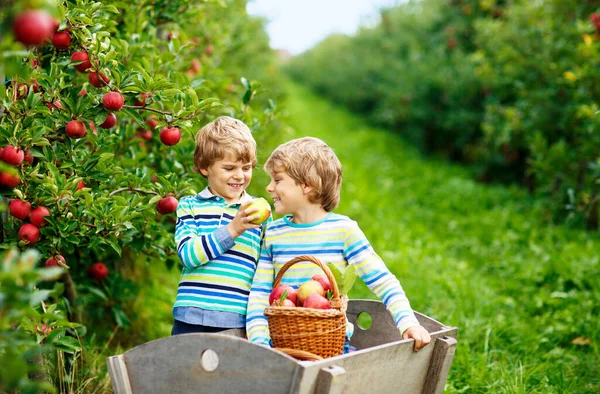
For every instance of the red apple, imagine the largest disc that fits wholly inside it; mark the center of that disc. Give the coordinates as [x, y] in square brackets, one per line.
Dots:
[22, 90]
[209, 50]
[55, 104]
[75, 129]
[35, 86]
[287, 303]
[98, 79]
[61, 40]
[29, 233]
[322, 279]
[98, 271]
[54, 261]
[81, 56]
[167, 205]
[317, 301]
[154, 178]
[9, 180]
[110, 121]
[277, 292]
[80, 185]
[33, 27]
[13, 155]
[141, 101]
[308, 288]
[82, 92]
[28, 157]
[145, 134]
[113, 101]
[19, 209]
[170, 135]
[38, 215]
[151, 122]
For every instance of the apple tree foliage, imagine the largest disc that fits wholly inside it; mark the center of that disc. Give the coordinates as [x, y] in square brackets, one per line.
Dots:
[176, 64]
[509, 87]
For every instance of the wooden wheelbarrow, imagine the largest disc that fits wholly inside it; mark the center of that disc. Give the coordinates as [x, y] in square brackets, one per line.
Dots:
[228, 363]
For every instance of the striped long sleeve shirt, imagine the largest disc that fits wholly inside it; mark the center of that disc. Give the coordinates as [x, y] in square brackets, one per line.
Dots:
[217, 270]
[334, 239]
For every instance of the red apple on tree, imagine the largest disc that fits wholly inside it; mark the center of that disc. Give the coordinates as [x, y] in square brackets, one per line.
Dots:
[54, 261]
[110, 121]
[22, 90]
[317, 301]
[13, 155]
[167, 205]
[145, 134]
[61, 40]
[28, 157]
[98, 271]
[151, 122]
[29, 233]
[33, 27]
[19, 209]
[95, 79]
[170, 135]
[322, 279]
[75, 129]
[81, 56]
[55, 104]
[141, 101]
[308, 288]
[113, 101]
[80, 185]
[37, 217]
[9, 180]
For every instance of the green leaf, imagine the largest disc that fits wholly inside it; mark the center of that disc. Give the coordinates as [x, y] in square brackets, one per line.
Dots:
[114, 245]
[67, 344]
[337, 274]
[348, 278]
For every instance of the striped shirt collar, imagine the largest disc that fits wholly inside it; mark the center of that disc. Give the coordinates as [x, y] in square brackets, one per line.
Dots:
[207, 195]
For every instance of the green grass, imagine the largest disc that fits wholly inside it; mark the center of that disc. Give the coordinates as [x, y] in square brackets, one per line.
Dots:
[522, 293]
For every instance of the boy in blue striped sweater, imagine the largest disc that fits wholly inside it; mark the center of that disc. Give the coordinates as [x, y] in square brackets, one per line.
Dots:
[306, 177]
[216, 241]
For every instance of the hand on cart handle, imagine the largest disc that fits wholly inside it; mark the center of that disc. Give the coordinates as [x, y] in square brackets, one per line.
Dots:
[419, 334]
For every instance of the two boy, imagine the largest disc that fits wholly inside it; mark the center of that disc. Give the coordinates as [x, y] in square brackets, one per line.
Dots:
[306, 177]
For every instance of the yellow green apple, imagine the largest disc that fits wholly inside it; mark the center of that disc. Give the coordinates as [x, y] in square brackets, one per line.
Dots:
[264, 210]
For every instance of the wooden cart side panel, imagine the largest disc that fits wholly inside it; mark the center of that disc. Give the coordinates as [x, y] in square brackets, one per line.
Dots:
[441, 359]
[383, 329]
[210, 363]
[117, 369]
[388, 368]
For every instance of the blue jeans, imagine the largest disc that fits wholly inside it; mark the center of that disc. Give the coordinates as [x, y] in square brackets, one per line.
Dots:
[347, 347]
[180, 327]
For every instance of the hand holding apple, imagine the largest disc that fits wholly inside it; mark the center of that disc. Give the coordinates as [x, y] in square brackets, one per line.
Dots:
[241, 222]
[259, 207]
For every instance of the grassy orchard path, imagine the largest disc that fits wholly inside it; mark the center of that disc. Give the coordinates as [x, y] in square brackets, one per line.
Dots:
[524, 295]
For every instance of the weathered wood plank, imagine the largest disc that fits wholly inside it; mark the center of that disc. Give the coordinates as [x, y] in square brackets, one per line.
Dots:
[441, 359]
[119, 375]
[330, 380]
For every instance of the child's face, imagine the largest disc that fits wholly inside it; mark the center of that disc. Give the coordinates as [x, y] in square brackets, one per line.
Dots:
[288, 196]
[228, 178]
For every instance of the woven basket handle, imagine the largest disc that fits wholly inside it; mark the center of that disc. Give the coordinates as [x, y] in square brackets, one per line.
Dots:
[336, 302]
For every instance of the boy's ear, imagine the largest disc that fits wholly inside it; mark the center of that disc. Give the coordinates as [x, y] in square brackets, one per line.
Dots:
[306, 189]
[204, 171]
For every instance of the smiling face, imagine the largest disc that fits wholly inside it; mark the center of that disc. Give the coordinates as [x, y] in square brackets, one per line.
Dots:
[288, 196]
[228, 177]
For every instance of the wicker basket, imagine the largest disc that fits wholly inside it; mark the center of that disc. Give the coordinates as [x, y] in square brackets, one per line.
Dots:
[317, 331]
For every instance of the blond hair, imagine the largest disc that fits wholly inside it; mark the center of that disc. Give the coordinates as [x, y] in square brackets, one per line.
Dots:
[310, 161]
[222, 136]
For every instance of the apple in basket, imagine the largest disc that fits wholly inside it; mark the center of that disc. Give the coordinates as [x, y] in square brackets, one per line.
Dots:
[317, 301]
[308, 288]
[322, 279]
[277, 294]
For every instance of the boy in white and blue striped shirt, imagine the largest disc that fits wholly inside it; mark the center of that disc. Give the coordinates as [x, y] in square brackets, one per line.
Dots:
[306, 177]
[216, 242]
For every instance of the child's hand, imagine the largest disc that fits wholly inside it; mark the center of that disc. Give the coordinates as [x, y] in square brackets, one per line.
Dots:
[241, 221]
[419, 334]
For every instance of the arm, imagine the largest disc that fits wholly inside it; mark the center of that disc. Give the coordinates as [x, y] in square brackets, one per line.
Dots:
[257, 326]
[373, 271]
[196, 250]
